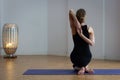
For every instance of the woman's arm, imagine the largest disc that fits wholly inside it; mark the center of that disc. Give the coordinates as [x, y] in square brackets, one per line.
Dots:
[75, 23]
[91, 39]
[73, 20]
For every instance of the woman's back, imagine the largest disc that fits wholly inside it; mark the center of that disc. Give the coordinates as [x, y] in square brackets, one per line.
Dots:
[81, 54]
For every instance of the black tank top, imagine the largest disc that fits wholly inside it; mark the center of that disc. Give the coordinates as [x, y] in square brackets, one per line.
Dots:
[80, 46]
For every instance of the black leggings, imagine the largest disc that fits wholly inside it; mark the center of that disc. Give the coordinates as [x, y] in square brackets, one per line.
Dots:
[80, 60]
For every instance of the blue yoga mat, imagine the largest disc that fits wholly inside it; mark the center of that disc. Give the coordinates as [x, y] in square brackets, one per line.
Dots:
[69, 72]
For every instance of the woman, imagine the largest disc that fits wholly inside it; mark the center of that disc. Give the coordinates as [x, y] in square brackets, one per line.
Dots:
[83, 36]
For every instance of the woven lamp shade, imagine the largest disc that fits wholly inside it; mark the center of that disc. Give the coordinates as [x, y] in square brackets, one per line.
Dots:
[10, 39]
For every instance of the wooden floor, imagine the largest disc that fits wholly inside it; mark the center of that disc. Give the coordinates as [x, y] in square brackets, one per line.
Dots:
[12, 69]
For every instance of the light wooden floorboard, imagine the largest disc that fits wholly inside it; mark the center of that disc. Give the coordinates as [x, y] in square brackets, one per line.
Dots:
[12, 69]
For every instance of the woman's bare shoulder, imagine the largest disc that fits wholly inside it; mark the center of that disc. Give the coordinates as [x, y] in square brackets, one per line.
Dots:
[90, 29]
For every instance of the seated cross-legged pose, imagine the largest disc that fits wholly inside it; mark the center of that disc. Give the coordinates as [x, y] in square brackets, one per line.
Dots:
[83, 36]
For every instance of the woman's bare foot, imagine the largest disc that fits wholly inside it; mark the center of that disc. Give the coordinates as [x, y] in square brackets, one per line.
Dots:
[81, 71]
[90, 71]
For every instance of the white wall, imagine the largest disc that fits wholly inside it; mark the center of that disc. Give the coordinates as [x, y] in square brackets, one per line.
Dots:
[31, 17]
[44, 25]
[57, 27]
[112, 29]
[1, 8]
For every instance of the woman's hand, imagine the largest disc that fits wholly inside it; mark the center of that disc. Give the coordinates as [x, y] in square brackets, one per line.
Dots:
[71, 11]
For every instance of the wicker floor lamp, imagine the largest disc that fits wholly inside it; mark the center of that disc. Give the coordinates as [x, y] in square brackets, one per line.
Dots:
[10, 39]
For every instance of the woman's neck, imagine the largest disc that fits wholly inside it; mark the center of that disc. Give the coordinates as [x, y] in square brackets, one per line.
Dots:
[82, 24]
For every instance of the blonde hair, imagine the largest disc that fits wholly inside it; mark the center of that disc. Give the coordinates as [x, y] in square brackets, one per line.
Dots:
[80, 14]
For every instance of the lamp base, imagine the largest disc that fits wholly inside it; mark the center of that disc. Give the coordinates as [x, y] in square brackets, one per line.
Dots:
[10, 56]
